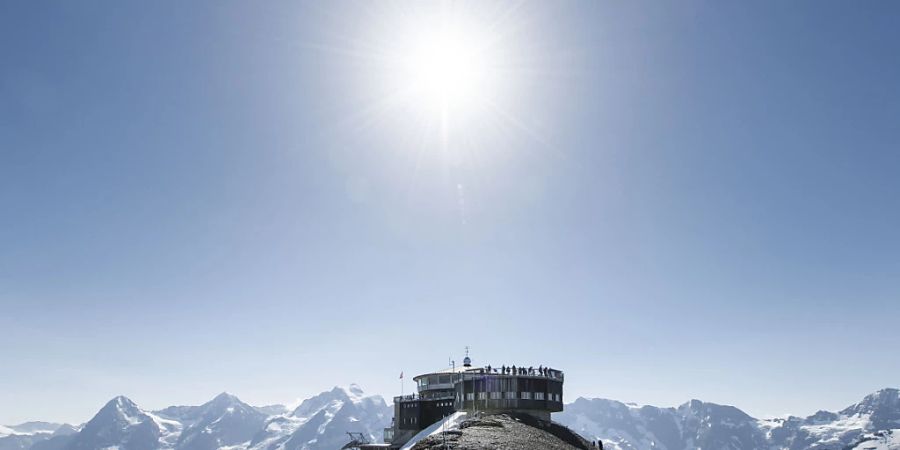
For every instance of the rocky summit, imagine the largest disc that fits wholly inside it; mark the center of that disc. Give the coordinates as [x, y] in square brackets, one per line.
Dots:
[505, 432]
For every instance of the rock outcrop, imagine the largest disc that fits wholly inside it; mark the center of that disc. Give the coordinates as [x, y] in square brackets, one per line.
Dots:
[505, 432]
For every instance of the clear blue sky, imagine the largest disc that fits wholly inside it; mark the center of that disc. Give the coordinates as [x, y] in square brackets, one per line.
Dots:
[688, 200]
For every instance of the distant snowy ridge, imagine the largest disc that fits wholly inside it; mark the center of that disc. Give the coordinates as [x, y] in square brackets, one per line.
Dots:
[27, 435]
[873, 423]
[31, 428]
[225, 422]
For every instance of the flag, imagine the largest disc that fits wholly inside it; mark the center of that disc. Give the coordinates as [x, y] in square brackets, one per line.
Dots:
[401, 374]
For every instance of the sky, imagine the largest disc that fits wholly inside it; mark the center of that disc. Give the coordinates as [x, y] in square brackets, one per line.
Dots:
[667, 201]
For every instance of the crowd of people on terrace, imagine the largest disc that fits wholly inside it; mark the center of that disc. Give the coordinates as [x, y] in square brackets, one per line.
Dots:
[513, 370]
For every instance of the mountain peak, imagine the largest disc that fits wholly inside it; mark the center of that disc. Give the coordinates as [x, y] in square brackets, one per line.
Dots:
[226, 397]
[122, 399]
[223, 421]
[886, 400]
[888, 392]
[225, 403]
[120, 403]
[353, 392]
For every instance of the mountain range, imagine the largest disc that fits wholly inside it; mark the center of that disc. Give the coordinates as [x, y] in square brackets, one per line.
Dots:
[872, 424]
[321, 423]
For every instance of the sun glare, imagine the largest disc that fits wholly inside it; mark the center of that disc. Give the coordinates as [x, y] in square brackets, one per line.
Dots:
[447, 77]
[447, 70]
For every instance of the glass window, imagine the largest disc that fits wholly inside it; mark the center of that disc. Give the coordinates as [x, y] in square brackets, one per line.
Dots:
[538, 395]
[482, 396]
[526, 396]
[470, 396]
[495, 395]
[511, 395]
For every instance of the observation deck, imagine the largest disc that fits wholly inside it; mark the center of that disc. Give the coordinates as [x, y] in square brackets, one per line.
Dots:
[533, 390]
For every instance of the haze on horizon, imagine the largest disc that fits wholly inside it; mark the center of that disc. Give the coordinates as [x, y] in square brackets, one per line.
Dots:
[666, 201]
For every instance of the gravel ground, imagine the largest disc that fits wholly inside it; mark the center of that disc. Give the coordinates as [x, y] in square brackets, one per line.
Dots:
[505, 432]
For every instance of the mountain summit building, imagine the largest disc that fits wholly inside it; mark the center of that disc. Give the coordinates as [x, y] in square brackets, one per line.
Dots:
[537, 391]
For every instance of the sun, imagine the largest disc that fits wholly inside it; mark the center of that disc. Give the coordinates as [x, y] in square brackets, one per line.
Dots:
[448, 69]
[442, 63]
[445, 78]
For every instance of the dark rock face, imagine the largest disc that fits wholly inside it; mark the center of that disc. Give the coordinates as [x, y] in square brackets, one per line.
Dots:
[506, 432]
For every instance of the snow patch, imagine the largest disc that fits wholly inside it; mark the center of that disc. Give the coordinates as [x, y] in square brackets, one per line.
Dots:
[450, 422]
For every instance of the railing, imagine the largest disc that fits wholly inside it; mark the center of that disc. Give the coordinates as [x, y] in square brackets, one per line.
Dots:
[536, 372]
[417, 397]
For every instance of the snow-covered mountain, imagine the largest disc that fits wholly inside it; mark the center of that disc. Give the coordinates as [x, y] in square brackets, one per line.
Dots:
[320, 423]
[30, 428]
[223, 421]
[121, 424]
[873, 423]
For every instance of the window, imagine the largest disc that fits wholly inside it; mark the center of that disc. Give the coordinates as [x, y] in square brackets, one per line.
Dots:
[470, 396]
[526, 396]
[482, 396]
[510, 395]
[538, 395]
[495, 395]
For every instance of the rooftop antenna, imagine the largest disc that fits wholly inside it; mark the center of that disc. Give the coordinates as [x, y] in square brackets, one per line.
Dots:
[467, 363]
